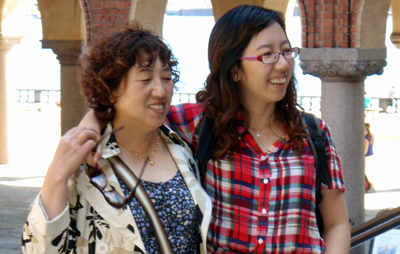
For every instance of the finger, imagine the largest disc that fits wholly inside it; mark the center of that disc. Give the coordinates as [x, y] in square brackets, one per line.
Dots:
[93, 158]
[89, 160]
[72, 132]
[86, 135]
[87, 150]
[99, 152]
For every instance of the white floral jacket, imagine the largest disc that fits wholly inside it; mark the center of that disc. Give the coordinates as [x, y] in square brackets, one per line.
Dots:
[89, 225]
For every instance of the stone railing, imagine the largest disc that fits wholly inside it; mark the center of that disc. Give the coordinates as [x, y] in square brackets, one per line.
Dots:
[308, 102]
[181, 97]
[37, 96]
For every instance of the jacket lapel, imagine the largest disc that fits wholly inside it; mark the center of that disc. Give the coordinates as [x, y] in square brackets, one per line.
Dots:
[121, 219]
[188, 168]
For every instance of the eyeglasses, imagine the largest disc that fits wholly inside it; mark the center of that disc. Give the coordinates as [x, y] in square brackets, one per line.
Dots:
[272, 57]
[113, 198]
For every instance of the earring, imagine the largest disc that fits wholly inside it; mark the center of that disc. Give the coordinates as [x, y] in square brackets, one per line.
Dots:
[235, 78]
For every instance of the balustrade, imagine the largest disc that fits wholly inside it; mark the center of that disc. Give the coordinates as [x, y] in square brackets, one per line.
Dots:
[310, 103]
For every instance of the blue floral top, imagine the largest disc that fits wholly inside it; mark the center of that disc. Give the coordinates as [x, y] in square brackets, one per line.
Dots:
[176, 209]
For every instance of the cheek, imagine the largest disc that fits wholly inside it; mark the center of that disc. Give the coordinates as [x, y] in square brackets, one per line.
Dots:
[291, 67]
[169, 89]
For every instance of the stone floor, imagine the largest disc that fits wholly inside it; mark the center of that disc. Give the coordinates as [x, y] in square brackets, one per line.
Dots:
[32, 146]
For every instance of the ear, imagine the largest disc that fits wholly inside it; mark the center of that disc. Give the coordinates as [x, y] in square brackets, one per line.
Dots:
[234, 73]
[120, 89]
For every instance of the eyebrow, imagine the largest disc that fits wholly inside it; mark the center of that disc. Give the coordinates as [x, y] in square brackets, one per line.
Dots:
[270, 46]
[151, 69]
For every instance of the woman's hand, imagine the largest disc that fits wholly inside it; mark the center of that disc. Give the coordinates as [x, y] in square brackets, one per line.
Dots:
[71, 152]
[72, 149]
[90, 121]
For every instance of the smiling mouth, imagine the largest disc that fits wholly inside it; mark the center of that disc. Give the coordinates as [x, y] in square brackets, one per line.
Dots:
[157, 107]
[277, 81]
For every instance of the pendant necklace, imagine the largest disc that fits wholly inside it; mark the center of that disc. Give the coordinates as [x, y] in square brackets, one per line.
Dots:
[259, 131]
[139, 155]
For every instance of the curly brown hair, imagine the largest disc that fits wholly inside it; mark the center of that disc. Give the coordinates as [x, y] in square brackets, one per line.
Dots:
[108, 63]
[222, 96]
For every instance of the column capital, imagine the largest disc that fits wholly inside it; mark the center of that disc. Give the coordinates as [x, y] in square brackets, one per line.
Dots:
[395, 38]
[67, 51]
[342, 63]
[8, 42]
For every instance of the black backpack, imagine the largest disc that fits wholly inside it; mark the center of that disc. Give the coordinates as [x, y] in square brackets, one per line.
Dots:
[207, 139]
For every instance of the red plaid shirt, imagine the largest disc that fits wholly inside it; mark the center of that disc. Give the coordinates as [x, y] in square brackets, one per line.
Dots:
[262, 203]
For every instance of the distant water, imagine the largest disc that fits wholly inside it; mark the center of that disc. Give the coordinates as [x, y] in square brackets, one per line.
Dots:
[29, 66]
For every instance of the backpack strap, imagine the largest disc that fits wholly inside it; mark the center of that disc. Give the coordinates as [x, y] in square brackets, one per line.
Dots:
[317, 145]
[205, 145]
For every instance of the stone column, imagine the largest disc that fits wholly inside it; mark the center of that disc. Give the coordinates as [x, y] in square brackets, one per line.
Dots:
[6, 44]
[73, 107]
[395, 38]
[343, 71]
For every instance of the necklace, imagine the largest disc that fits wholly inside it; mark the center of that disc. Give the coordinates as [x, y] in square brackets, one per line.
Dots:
[259, 131]
[139, 155]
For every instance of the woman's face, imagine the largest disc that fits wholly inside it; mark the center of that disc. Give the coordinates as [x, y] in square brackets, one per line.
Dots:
[265, 83]
[144, 96]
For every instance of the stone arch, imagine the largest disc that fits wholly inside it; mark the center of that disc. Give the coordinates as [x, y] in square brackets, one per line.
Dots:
[62, 20]
[277, 5]
[220, 7]
[7, 7]
[371, 16]
[150, 13]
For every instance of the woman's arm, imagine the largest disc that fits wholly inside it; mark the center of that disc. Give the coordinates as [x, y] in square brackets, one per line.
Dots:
[72, 149]
[336, 222]
[366, 143]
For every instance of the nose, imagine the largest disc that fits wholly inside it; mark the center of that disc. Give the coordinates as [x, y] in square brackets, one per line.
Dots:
[282, 63]
[158, 89]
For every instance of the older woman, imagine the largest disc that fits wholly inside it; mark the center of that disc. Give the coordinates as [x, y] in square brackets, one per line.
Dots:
[128, 80]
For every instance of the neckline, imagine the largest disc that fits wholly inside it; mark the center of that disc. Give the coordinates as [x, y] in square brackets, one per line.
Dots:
[178, 173]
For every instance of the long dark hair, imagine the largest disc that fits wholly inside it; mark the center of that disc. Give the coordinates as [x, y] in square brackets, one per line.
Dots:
[109, 62]
[369, 134]
[222, 96]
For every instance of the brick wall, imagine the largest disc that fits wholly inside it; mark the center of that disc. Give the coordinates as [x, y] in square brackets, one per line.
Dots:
[328, 23]
[104, 17]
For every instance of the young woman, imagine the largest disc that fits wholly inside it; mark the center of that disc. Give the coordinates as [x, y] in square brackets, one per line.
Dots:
[368, 151]
[261, 179]
[128, 81]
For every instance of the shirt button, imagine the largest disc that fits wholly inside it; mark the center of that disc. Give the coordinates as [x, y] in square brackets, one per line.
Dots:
[33, 219]
[265, 181]
[260, 241]
[263, 211]
[103, 248]
[263, 158]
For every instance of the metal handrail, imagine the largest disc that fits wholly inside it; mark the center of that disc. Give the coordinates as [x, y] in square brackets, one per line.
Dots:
[374, 227]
